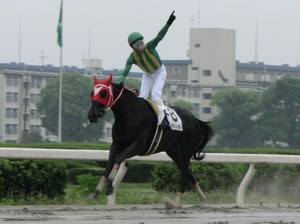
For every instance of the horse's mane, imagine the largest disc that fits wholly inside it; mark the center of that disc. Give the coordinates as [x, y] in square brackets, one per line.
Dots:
[132, 92]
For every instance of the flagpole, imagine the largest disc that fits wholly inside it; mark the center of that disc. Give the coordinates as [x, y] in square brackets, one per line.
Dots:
[60, 44]
[60, 96]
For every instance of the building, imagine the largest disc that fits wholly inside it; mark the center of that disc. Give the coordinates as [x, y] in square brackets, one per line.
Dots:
[259, 76]
[20, 91]
[211, 66]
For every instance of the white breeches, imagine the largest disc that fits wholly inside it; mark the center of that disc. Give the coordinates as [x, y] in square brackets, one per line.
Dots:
[154, 83]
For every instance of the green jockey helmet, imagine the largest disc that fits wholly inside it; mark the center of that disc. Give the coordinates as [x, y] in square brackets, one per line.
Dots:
[134, 37]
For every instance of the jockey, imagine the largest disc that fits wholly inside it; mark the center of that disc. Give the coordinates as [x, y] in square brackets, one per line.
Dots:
[148, 60]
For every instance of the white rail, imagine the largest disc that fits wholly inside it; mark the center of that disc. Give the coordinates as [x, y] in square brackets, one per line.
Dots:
[102, 155]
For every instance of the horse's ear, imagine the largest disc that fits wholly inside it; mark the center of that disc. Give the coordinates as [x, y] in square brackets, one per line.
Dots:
[95, 80]
[109, 79]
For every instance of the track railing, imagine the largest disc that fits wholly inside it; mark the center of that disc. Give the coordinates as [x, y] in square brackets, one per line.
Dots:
[102, 155]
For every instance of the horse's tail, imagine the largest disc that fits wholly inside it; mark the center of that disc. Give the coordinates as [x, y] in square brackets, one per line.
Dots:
[206, 135]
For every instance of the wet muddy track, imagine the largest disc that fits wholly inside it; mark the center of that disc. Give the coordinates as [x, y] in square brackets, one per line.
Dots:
[154, 214]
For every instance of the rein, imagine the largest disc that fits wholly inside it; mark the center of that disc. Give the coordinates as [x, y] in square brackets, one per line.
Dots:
[114, 101]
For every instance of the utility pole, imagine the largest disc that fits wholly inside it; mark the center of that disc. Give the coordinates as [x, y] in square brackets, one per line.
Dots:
[19, 53]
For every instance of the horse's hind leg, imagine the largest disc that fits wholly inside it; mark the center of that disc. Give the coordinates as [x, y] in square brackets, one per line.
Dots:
[185, 175]
[196, 186]
[182, 162]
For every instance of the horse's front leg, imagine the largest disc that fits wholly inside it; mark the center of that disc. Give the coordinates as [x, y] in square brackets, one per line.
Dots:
[115, 178]
[115, 185]
[129, 152]
[99, 188]
[104, 178]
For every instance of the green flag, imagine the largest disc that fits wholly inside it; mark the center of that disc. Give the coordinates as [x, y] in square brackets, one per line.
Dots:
[59, 25]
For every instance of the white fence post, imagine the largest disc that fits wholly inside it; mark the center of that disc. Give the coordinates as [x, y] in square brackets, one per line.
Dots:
[244, 185]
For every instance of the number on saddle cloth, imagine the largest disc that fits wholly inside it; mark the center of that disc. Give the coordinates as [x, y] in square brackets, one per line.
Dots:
[164, 112]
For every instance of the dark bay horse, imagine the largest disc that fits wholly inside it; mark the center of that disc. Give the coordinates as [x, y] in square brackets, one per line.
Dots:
[134, 129]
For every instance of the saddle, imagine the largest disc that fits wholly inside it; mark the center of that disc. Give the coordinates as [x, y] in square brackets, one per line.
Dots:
[159, 110]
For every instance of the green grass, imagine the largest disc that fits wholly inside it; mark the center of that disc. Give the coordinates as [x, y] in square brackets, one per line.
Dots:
[130, 193]
[142, 193]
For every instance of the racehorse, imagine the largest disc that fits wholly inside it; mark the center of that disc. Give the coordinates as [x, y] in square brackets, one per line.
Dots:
[134, 130]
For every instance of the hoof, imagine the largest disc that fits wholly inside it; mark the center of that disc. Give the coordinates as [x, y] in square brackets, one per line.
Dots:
[109, 188]
[94, 196]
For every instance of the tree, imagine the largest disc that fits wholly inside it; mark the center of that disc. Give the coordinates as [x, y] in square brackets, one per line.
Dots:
[186, 105]
[281, 117]
[76, 101]
[237, 123]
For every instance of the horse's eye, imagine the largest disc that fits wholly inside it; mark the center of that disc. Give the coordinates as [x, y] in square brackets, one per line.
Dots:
[103, 94]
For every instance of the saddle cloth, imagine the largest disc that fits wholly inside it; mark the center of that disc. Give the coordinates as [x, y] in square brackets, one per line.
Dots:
[164, 112]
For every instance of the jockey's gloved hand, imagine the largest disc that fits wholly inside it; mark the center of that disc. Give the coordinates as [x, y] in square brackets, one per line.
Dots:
[171, 18]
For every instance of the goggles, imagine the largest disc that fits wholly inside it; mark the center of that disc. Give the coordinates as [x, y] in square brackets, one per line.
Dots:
[139, 45]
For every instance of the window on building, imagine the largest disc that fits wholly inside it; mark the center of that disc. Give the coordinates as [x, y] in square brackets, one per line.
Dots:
[240, 76]
[257, 77]
[197, 45]
[173, 93]
[195, 68]
[182, 91]
[12, 97]
[207, 72]
[11, 129]
[8, 112]
[206, 110]
[196, 93]
[36, 83]
[12, 81]
[35, 129]
[11, 113]
[196, 106]
[176, 70]
[34, 114]
[35, 98]
[207, 96]
[9, 97]
[15, 97]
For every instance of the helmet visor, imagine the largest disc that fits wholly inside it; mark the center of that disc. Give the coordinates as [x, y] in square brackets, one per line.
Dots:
[139, 45]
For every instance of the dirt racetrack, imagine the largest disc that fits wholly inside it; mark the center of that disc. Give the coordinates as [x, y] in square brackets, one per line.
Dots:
[150, 214]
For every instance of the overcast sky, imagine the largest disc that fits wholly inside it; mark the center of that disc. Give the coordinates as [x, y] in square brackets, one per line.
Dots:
[111, 21]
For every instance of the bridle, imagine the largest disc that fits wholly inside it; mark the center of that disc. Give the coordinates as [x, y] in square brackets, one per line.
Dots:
[103, 93]
[112, 97]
